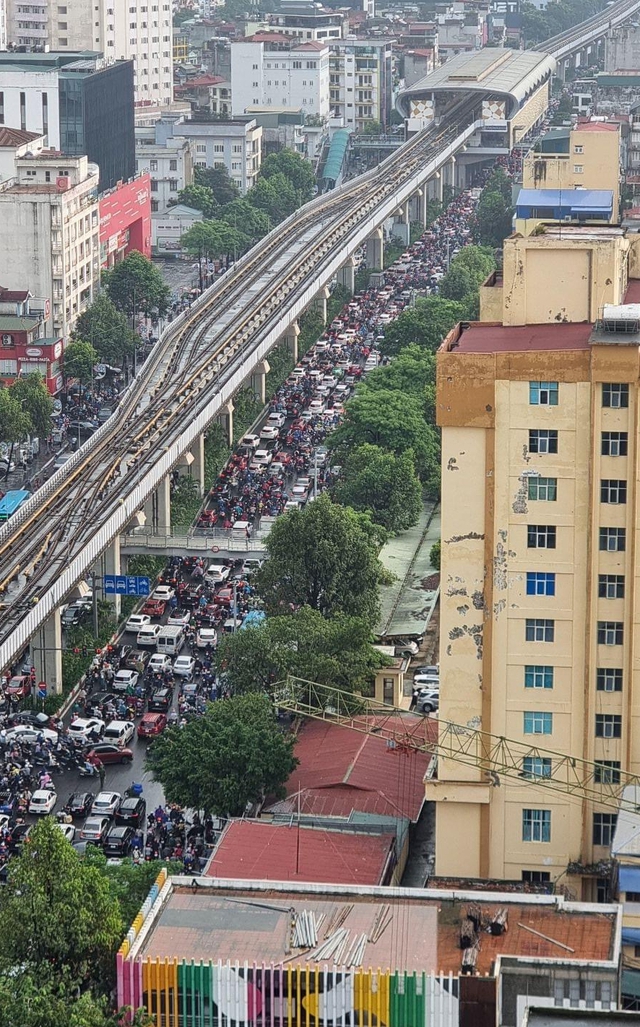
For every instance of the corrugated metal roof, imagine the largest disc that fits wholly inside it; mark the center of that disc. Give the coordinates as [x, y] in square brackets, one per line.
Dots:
[574, 199]
[256, 850]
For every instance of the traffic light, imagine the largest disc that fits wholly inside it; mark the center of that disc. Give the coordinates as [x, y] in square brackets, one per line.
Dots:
[85, 651]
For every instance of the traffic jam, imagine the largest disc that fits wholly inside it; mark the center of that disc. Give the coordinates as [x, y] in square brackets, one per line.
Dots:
[161, 670]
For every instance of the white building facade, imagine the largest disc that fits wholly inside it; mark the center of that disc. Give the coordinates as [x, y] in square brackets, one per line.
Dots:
[237, 145]
[170, 166]
[51, 207]
[265, 75]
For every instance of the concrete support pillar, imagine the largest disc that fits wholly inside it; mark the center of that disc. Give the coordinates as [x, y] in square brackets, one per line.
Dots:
[111, 564]
[150, 513]
[375, 251]
[47, 654]
[401, 227]
[439, 184]
[347, 275]
[418, 206]
[225, 418]
[319, 305]
[451, 172]
[197, 467]
[259, 381]
[163, 500]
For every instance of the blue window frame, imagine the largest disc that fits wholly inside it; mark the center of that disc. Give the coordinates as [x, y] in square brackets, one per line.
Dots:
[543, 394]
[536, 766]
[538, 723]
[541, 583]
[538, 676]
[536, 825]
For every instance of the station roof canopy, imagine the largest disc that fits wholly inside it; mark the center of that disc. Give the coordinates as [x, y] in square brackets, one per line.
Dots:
[514, 74]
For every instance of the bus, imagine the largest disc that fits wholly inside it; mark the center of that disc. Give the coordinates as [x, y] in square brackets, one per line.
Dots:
[12, 501]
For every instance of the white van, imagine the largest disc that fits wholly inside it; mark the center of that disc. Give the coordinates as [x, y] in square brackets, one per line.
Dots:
[171, 639]
[148, 636]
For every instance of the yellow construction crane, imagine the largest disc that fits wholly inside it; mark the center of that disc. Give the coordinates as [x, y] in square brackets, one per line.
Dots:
[495, 756]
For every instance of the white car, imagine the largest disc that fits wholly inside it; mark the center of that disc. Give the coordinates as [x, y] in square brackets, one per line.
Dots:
[269, 432]
[205, 637]
[42, 801]
[276, 419]
[250, 441]
[263, 457]
[183, 666]
[68, 831]
[216, 573]
[120, 732]
[27, 735]
[106, 804]
[179, 617]
[158, 663]
[163, 592]
[82, 727]
[125, 679]
[300, 492]
[137, 621]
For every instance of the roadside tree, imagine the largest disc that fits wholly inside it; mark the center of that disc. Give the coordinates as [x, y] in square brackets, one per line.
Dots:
[15, 423]
[79, 361]
[425, 325]
[382, 484]
[35, 399]
[233, 755]
[135, 286]
[295, 168]
[326, 557]
[107, 329]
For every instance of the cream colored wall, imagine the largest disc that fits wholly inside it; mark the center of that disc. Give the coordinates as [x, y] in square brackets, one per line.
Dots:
[547, 279]
[529, 113]
[491, 300]
[599, 160]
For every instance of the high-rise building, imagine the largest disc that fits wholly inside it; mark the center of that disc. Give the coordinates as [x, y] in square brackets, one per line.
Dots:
[361, 82]
[50, 232]
[78, 102]
[539, 621]
[122, 30]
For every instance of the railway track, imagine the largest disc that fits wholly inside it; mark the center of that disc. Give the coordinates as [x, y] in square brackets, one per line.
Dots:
[189, 364]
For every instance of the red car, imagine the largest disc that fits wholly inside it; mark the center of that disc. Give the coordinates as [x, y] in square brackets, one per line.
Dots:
[224, 596]
[109, 753]
[154, 607]
[19, 687]
[151, 725]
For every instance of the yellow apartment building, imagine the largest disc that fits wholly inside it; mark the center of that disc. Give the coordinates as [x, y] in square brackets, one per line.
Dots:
[593, 162]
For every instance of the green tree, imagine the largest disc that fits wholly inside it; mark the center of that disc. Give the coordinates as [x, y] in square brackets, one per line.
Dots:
[233, 755]
[244, 217]
[382, 484]
[492, 222]
[335, 651]
[426, 325]
[57, 910]
[499, 182]
[15, 423]
[200, 197]
[477, 259]
[457, 283]
[79, 361]
[295, 168]
[393, 422]
[276, 196]
[219, 182]
[35, 399]
[136, 287]
[373, 128]
[107, 329]
[212, 239]
[44, 996]
[129, 882]
[324, 556]
[434, 555]
[413, 370]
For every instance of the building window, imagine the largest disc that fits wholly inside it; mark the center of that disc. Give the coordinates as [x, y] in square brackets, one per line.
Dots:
[536, 876]
[604, 824]
[543, 441]
[536, 825]
[537, 723]
[154, 205]
[218, 148]
[538, 676]
[578, 149]
[541, 536]
[173, 185]
[613, 490]
[543, 394]
[23, 111]
[614, 443]
[613, 540]
[541, 583]
[577, 169]
[609, 679]
[153, 165]
[536, 766]
[615, 395]
[608, 725]
[154, 186]
[544, 489]
[539, 630]
[1, 108]
[611, 586]
[173, 165]
[610, 632]
[201, 147]
[607, 772]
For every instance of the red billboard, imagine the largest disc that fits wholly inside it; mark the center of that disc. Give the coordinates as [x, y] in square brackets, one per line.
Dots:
[125, 220]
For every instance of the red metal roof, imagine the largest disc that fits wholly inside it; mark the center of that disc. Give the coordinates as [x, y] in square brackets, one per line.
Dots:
[342, 770]
[495, 338]
[256, 850]
[14, 295]
[632, 294]
[16, 136]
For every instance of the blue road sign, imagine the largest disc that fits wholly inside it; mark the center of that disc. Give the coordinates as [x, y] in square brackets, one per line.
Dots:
[42, 691]
[125, 585]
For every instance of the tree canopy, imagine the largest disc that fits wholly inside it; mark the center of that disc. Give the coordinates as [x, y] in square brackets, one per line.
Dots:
[324, 556]
[492, 221]
[219, 181]
[382, 484]
[15, 423]
[246, 218]
[426, 325]
[335, 651]
[233, 755]
[106, 329]
[79, 360]
[276, 196]
[200, 197]
[34, 398]
[213, 239]
[295, 168]
[136, 286]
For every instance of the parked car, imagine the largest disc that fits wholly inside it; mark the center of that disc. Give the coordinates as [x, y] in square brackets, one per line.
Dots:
[42, 801]
[132, 812]
[152, 725]
[428, 701]
[108, 752]
[73, 615]
[106, 804]
[118, 841]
